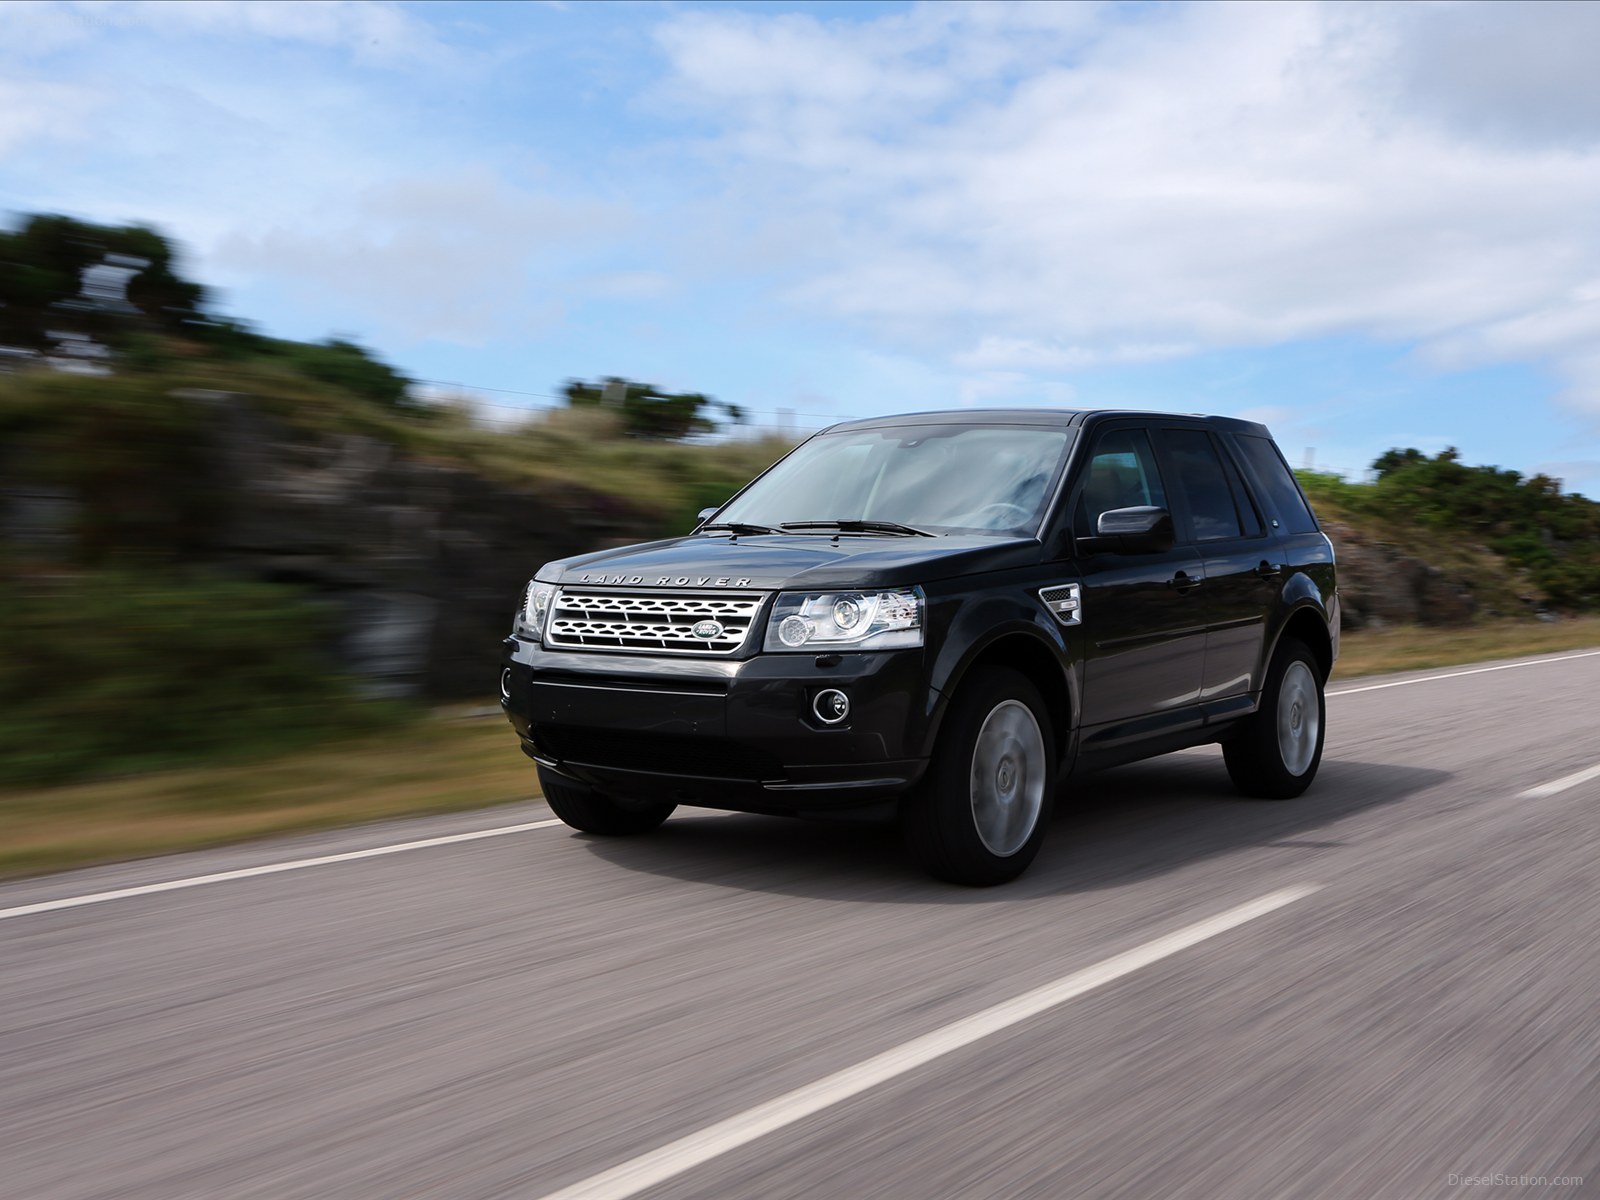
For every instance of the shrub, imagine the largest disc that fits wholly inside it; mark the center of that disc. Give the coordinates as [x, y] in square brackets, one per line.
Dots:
[120, 670]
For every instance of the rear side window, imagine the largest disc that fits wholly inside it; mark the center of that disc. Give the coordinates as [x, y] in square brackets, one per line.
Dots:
[1282, 492]
[1204, 480]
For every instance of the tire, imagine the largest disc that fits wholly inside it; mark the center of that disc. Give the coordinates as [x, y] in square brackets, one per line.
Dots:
[981, 813]
[585, 809]
[1276, 755]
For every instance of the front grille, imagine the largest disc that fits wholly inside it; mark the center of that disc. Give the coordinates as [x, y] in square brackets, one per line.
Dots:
[660, 622]
[660, 753]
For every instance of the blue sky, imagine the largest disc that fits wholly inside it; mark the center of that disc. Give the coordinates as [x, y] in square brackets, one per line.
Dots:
[1369, 225]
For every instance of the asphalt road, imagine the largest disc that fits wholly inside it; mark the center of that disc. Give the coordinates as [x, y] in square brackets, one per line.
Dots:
[1412, 1010]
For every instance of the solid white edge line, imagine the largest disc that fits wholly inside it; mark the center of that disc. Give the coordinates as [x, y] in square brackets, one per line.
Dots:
[1534, 662]
[674, 1158]
[173, 885]
[1556, 786]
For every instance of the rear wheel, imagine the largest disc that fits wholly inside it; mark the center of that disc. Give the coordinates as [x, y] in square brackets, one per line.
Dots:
[593, 812]
[981, 812]
[1276, 755]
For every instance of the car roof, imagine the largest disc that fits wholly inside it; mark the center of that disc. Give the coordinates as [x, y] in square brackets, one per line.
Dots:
[1045, 417]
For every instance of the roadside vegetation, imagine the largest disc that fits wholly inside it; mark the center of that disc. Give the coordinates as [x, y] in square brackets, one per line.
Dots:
[1540, 540]
[433, 764]
[128, 648]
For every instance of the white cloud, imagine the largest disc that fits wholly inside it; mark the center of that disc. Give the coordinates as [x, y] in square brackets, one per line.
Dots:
[627, 285]
[994, 351]
[1000, 388]
[1519, 72]
[465, 259]
[371, 31]
[35, 110]
[1270, 415]
[1018, 195]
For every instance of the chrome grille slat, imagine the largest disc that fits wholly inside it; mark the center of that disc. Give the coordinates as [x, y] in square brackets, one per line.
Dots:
[618, 619]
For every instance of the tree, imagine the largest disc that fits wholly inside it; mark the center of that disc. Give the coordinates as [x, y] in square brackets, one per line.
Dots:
[63, 278]
[647, 411]
[72, 286]
[346, 365]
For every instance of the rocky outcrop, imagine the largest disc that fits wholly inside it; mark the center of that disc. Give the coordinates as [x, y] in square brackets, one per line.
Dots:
[1379, 585]
[422, 563]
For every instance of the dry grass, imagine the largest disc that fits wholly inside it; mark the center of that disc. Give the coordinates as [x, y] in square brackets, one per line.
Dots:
[439, 765]
[1409, 648]
[452, 763]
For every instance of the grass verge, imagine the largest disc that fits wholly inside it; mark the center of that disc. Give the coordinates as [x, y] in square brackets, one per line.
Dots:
[1413, 648]
[442, 764]
[450, 763]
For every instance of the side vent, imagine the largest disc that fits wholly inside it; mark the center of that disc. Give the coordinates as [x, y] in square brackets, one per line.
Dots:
[1065, 602]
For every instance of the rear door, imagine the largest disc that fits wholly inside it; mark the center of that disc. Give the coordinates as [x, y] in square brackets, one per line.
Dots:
[1223, 524]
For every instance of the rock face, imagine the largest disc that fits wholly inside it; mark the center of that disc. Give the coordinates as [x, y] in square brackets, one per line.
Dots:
[423, 563]
[1381, 585]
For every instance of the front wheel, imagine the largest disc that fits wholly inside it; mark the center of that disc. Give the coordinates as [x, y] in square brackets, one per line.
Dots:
[980, 814]
[1276, 755]
[592, 812]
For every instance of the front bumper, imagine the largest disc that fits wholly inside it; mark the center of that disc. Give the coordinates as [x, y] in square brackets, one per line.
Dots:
[739, 734]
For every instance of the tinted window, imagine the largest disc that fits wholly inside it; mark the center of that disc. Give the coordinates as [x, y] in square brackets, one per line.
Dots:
[1205, 483]
[1249, 515]
[1282, 492]
[1121, 473]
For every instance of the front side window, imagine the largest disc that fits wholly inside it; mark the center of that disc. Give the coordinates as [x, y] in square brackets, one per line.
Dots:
[937, 478]
[1121, 473]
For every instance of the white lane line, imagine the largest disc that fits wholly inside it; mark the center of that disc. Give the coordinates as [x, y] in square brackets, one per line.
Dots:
[652, 1168]
[1556, 786]
[1537, 662]
[173, 885]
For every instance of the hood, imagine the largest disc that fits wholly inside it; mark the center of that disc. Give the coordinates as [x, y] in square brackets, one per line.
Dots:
[808, 560]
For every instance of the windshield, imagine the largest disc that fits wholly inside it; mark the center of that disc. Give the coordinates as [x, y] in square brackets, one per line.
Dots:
[938, 478]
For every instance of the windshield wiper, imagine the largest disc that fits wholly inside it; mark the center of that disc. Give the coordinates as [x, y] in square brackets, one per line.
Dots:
[739, 527]
[852, 525]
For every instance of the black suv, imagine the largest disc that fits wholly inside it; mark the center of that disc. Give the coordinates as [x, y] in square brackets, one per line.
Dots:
[935, 617]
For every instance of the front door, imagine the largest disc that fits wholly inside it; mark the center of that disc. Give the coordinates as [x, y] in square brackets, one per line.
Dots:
[1142, 614]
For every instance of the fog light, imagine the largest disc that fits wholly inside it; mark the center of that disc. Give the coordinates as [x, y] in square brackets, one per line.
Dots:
[505, 683]
[831, 706]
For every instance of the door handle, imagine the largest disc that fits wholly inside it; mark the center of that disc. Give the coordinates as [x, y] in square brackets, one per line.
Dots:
[1269, 570]
[1185, 582]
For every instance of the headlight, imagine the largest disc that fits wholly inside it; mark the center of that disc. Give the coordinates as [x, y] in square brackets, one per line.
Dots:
[535, 607]
[846, 621]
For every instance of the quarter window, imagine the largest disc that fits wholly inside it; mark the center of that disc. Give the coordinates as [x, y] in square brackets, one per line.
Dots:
[1282, 492]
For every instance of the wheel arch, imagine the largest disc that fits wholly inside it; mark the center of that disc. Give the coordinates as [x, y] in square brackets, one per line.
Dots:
[1308, 625]
[1037, 659]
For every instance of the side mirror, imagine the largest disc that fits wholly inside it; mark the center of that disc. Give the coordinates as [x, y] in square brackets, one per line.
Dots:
[705, 514]
[1141, 530]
